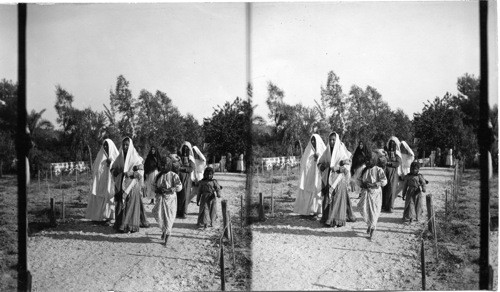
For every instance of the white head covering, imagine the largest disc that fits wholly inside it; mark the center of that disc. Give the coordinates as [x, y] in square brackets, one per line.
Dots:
[334, 157]
[190, 157]
[200, 162]
[407, 157]
[397, 152]
[100, 168]
[127, 163]
[308, 165]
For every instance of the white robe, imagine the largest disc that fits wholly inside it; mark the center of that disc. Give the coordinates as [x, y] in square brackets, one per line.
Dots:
[100, 201]
[309, 192]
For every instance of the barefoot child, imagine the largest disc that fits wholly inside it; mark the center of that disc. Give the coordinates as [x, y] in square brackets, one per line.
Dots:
[207, 190]
[371, 181]
[413, 186]
[167, 184]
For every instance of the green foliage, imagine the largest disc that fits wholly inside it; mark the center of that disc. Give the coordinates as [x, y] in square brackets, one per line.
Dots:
[229, 128]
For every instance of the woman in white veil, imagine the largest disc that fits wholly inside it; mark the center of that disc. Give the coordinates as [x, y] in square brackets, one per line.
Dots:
[309, 193]
[100, 205]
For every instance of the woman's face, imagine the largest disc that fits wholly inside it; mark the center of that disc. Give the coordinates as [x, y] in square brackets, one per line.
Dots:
[392, 145]
[332, 139]
[313, 142]
[185, 150]
[126, 144]
[106, 147]
[153, 150]
[360, 145]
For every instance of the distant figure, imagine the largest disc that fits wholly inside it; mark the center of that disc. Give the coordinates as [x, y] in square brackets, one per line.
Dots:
[229, 162]
[392, 173]
[334, 164]
[129, 173]
[223, 164]
[371, 181]
[208, 191]
[449, 158]
[186, 175]
[309, 192]
[413, 187]
[438, 157]
[100, 205]
[151, 167]
[240, 166]
[432, 158]
[167, 184]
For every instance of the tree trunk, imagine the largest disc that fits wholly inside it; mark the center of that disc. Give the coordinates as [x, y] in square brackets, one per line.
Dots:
[90, 157]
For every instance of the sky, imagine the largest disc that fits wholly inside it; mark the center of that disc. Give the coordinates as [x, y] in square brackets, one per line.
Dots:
[410, 52]
[193, 52]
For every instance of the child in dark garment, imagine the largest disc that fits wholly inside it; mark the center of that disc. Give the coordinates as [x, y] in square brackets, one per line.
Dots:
[413, 187]
[208, 189]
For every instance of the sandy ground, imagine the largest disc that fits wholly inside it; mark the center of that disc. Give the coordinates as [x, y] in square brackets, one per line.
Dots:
[81, 256]
[291, 253]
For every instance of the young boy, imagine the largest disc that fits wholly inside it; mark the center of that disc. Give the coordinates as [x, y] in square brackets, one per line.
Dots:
[413, 187]
[207, 190]
[167, 183]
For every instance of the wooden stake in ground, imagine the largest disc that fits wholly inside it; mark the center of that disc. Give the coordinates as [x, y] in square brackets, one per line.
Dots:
[261, 207]
[227, 232]
[422, 262]
[232, 237]
[52, 214]
[272, 193]
[241, 211]
[430, 213]
[446, 202]
[222, 269]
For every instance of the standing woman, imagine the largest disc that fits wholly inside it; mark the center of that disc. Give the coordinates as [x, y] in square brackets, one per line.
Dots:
[392, 172]
[101, 206]
[186, 175]
[371, 180]
[358, 161]
[309, 194]
[151, 166]
[200, 164]
[240, 165]
[129, 172]
[407, 157]
[449, 158]
[334, 164]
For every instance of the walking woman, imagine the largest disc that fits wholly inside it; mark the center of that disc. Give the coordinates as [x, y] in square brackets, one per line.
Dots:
[393, 173]
[186, 175]
[358, 161]
[101, 206]
[309, 194]
[407, 157]
[167, 184]
[371, 180]
[151, 166]
[129, 172]
[334, 164]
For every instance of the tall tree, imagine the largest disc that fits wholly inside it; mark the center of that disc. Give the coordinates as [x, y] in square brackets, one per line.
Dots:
[333, 96]
[64, 107]
[123, 104]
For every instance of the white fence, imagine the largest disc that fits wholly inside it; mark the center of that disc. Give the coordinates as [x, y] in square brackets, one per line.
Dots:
[268, 163]
[68, 167]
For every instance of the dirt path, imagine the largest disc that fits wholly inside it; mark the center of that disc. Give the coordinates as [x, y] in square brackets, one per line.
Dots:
[80, 256]
[291, 253]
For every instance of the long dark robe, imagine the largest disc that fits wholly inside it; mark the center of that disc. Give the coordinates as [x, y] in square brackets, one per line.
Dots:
[182, 196]
[413, 203]
[131, 214]
[339, 210]
[389, 192]
[358, 158]
[152, 163]
[208, 202]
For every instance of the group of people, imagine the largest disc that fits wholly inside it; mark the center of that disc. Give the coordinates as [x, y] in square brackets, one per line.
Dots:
[328, 172]
[122, 178]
